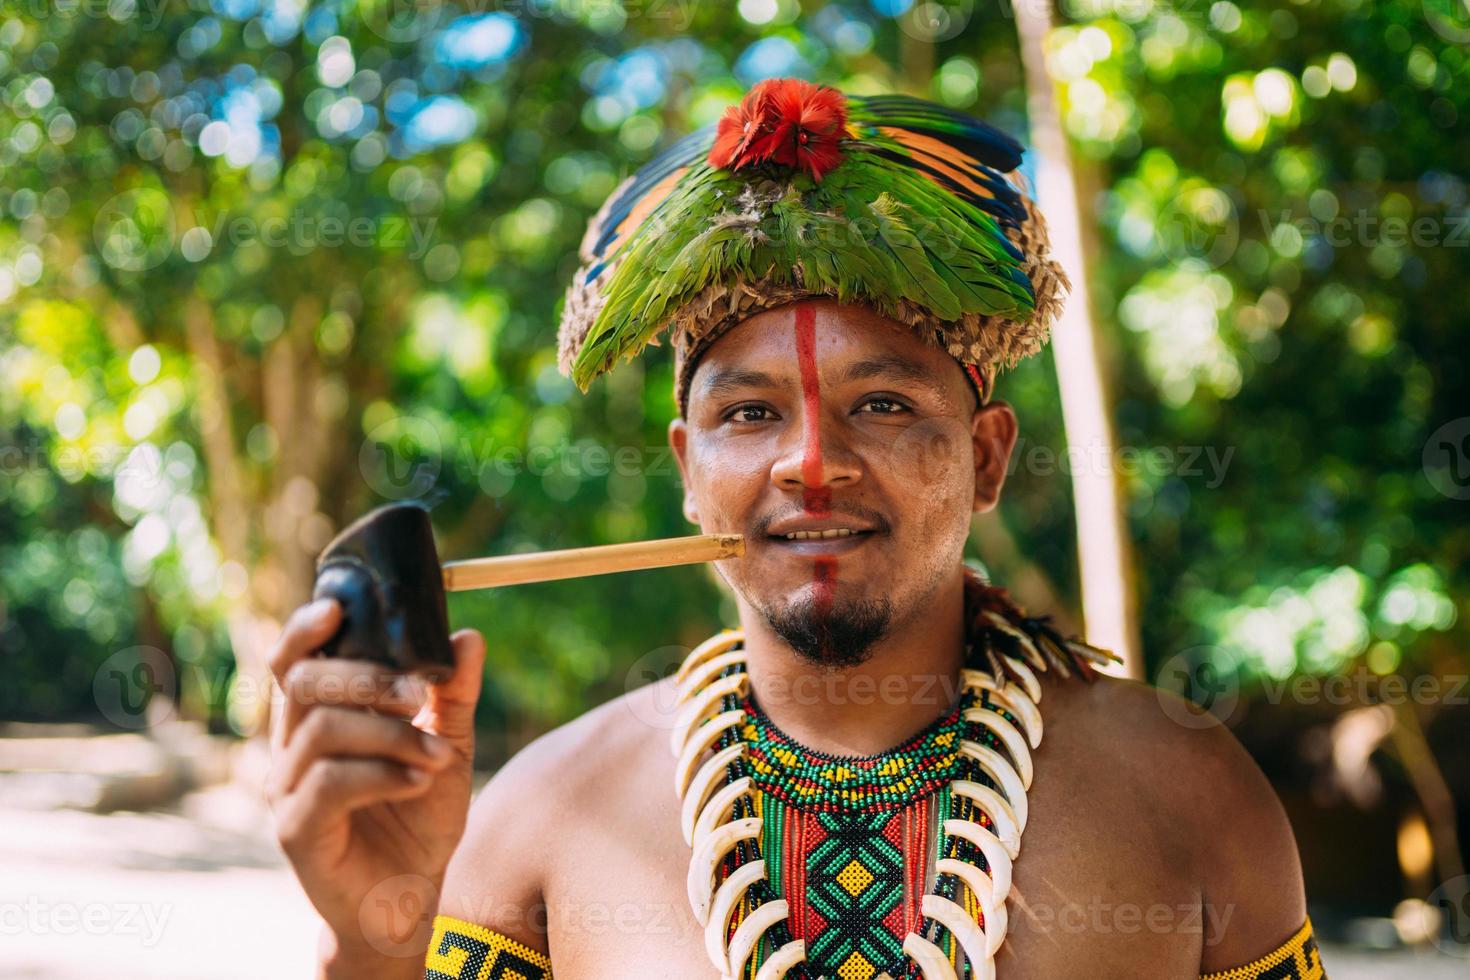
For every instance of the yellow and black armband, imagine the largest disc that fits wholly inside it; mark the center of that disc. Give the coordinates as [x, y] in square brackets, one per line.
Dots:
[464, 951]
[1295, 959]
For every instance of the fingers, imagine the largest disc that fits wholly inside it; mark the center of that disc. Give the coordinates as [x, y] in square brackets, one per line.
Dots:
[450, 706]
[308, 628]
[331, 788]
[332, 732]
[359, 684]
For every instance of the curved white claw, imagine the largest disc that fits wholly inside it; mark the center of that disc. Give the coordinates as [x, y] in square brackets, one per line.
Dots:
[1029, 683]
[932, 962]
[980, 679]
[1013, 740]
[1012, 698]
[750, 931]
[999, 811]
[706, 859]
[713, 647]
[995, 765]
[730, 893]
[704, 783]
[992, 848]
[719, 808]
[705, 673]
[1030, 715]
[701, 739]
[979, 884]
[706, 702]
[782, 960]
[1028, 649]
[966, 930]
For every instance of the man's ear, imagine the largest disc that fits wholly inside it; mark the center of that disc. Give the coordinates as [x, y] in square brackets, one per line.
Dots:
[993, 434]
[679, 443]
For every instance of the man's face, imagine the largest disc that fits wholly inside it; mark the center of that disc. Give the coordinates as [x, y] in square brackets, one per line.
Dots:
[851, 455]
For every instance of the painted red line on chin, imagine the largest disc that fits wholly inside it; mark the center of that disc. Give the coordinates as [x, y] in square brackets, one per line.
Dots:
[824, 579]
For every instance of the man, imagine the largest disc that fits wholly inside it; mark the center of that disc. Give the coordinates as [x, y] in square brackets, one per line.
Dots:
[855, 769]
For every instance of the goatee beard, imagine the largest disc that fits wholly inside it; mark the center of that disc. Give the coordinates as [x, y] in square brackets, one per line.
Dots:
[828, 634]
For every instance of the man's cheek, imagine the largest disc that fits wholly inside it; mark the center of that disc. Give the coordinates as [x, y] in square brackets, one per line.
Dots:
[930, 455]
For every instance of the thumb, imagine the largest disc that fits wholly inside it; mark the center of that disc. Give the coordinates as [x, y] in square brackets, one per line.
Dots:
[450, 706]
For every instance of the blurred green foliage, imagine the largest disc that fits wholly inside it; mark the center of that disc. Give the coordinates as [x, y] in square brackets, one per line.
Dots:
[264, 265]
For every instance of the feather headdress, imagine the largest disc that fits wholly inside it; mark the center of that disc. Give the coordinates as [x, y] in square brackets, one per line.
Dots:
[800, 191]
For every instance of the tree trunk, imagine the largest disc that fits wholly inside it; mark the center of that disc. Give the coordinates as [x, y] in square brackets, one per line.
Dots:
[1108, 601]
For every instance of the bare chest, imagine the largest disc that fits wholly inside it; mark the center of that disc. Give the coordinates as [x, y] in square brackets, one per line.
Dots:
[1098, 891]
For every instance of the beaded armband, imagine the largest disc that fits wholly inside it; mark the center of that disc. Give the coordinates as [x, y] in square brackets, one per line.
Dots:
[464, 951]
[1295, 959]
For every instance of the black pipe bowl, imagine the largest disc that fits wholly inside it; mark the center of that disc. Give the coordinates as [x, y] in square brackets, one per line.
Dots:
[384, 570]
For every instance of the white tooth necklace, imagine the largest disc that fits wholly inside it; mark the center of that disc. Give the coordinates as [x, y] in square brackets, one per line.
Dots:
[746, 817]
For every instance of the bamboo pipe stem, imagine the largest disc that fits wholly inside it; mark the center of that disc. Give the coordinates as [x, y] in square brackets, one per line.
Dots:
[545, 566]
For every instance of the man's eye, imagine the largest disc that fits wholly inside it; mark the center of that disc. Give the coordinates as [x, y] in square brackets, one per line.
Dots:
[750, 413]
[886, 406]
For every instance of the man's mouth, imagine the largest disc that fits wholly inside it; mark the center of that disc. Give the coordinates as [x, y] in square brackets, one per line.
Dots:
[831, 532]
[821, 541]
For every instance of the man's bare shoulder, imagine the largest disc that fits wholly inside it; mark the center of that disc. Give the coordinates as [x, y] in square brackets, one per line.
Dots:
[1193, 779]
[1183, 753]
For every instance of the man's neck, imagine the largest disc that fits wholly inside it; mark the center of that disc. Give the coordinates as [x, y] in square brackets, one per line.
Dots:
[910, 678]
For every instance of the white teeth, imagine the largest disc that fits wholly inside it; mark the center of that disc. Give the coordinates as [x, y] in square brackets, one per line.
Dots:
[834, 532]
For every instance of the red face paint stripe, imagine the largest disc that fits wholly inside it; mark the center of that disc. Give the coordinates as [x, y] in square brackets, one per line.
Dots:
[816, 498]
[823, 576]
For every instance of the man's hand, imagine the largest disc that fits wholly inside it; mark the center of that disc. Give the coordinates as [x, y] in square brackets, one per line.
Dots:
[370, 784]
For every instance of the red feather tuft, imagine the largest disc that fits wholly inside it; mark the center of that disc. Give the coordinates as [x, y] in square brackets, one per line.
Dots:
[785, 121]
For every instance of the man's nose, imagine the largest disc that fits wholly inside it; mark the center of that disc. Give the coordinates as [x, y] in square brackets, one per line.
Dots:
[814, 454]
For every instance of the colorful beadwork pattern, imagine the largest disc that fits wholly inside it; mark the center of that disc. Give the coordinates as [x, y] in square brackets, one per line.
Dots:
[816, 782]
[848, 841]
[1296, 959]
[462, 950]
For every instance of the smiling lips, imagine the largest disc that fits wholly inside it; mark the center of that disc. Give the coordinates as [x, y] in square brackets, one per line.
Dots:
[821, 543]
[831, 532]
[828, 528]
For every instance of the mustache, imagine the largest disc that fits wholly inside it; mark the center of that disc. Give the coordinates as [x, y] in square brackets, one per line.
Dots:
[857, 512]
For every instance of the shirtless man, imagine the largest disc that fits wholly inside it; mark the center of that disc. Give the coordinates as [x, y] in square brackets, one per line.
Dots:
[1154, 849]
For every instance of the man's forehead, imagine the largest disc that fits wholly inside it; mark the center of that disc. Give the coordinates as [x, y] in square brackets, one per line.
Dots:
[839, 370]
[849, 343]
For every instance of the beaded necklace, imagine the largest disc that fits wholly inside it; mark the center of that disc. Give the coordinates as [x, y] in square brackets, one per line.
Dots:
[753, 799]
